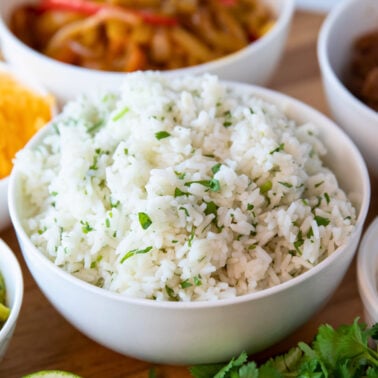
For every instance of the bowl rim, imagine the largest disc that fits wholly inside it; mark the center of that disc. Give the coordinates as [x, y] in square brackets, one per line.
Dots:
[284, 18]
[270, 95]
[323, 58]
[14, 266]
[367, 267]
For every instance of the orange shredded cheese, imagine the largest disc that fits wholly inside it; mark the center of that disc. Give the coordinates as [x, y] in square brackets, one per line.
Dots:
[22, 113]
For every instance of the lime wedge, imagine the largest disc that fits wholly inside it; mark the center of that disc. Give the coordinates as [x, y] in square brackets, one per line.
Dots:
[51, 374]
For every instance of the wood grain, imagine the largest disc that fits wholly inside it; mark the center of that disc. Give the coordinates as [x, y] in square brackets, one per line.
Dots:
[44, 340]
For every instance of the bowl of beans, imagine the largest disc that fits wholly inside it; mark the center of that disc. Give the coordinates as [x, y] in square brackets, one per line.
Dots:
[348, 59]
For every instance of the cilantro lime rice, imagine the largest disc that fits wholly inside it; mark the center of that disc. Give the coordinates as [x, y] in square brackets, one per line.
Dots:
[184, 189]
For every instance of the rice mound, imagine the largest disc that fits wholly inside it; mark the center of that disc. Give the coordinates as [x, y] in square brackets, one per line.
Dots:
[183, 189]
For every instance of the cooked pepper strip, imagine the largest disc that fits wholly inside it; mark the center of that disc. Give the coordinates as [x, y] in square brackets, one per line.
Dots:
[90, 8]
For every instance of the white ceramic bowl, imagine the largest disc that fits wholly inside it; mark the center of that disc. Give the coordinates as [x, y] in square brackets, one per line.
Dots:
[203, 332]
[367, 273]
[347, 21]
[31, 83]
[253, 64]
[14, 284]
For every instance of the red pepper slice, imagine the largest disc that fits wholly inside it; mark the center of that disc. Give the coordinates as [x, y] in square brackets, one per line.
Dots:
[89, 8]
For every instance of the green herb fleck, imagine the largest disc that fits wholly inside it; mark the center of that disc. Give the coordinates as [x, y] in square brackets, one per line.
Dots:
[134, 252]
[278, 149]
[211, 208]
[213, 184]
[86, 227]
[185, 284]
[327, 198]
[321, 221]
[171, 293]
[162, 134]
[215, 168]
[144, 220]
[120, 114]
[180, 175]
[287, 184]
[185, 210]
[266, 186]
[180, 193]
[197, 280]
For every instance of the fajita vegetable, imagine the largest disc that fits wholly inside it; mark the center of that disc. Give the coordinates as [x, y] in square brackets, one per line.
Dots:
[343, 352]
[125, 36]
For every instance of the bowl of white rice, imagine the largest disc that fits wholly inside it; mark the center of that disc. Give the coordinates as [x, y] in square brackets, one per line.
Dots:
[185, 220]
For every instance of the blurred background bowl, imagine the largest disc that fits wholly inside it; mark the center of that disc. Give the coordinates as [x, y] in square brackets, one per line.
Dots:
[14, 285]
[30, 83]
[203, 332]
[367, 273]
[347, 21]
[252, 64]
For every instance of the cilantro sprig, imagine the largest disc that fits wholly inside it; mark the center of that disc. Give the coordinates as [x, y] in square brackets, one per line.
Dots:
[342, 352]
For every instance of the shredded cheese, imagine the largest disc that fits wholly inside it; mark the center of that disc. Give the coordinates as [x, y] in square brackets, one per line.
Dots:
[22, 113]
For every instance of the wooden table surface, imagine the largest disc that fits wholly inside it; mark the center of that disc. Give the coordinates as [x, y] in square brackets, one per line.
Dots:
[44, 340]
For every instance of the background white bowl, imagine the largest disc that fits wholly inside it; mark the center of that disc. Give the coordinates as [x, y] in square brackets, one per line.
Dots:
[31, 83]
[14, 284]
[347, 21]
[203, 332]
[367, 272]
[253, 64]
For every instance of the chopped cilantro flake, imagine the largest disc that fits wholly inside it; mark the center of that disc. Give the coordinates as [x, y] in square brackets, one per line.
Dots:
[321, 221]
[162, 134]
[144, 220]
[134, 252]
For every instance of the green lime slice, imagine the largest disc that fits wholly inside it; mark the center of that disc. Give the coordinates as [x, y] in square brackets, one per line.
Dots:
[51, 374]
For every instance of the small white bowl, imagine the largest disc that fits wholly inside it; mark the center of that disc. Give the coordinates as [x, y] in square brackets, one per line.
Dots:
[345, 23]
[253, 64]
[367, 272]
[28, 82]
[213, 331]
[14, 285]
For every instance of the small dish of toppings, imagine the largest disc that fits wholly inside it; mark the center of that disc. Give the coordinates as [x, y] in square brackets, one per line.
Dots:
[11, 295]
[24, 109]
[4, 309]
[367, 272]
